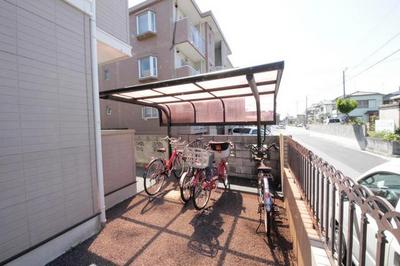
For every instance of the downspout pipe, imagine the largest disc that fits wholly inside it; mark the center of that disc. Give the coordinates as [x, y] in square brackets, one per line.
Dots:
[97, 123]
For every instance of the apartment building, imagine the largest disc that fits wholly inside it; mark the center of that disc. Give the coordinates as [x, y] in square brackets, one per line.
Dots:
[51, 188]
[171, 39]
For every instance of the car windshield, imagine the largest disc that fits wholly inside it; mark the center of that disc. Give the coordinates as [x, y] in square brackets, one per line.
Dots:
[386, 185]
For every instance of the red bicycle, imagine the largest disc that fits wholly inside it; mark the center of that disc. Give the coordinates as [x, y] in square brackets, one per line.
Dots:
[209, 166]
[160, 168]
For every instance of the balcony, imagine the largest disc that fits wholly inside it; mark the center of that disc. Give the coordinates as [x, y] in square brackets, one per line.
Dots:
[186, 70]
[112, 31]
[189, 40]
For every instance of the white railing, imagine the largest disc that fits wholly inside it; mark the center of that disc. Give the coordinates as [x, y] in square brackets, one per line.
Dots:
[196, 39]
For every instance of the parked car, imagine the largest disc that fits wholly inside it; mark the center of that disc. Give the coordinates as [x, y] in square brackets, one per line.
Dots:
[383, 181]
[281, 126]
[249, 131]
[332, 121]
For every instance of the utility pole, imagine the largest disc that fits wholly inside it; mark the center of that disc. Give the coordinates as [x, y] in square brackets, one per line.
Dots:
[344, 83]
[306, 122]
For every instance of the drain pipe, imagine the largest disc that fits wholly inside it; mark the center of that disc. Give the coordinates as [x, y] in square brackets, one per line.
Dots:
[96, 106]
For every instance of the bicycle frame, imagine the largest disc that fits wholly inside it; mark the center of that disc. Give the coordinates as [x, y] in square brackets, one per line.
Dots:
[168, 163]
[210, 184]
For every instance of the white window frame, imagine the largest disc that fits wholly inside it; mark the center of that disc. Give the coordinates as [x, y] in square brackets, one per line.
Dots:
[151, 22]
[153, 67]
[154, 113]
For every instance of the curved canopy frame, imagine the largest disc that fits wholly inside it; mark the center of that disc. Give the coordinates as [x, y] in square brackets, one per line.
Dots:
[240, 96]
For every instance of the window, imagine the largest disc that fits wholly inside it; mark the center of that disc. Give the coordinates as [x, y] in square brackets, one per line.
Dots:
[106, 74]
[146, 23]
[372, 103]
[147, 67]
[362, 104]
[149, 113]
[386, 185]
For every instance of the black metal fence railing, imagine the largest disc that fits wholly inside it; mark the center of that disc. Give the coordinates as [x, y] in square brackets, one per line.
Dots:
[344, 211]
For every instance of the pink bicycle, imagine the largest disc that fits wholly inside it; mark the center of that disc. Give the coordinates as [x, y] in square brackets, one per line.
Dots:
[160, 168]
[208, 167]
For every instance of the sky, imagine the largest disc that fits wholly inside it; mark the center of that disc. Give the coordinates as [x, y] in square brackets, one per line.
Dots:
[317, 40]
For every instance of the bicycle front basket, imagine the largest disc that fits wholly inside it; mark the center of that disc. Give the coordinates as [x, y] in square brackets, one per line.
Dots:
[197, 158]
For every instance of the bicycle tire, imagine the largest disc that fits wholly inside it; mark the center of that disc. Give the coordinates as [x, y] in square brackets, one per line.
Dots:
[158, 166]
[267, 221]
[185, 186]
[225, 177]
[197, 190]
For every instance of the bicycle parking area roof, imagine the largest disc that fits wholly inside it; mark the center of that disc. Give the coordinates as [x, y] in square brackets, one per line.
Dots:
[239, 96]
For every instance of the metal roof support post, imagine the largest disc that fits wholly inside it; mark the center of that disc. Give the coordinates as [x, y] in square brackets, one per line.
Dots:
[253, 86]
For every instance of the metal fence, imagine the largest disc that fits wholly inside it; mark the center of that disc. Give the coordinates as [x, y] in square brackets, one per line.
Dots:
[329, 195]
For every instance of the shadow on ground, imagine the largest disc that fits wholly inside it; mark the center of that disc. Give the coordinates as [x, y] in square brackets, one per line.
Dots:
[150, 231]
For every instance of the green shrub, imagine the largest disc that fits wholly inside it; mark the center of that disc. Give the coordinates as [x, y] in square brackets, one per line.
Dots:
[346, 105]
[385, 135]
[391, 137]
[357, 121]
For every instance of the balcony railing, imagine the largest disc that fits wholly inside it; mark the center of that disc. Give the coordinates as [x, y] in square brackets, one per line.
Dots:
[330, 195]
[188, 34]
[186, 70]
[196, 39]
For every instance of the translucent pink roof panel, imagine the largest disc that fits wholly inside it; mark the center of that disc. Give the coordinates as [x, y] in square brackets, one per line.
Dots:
[209, 111]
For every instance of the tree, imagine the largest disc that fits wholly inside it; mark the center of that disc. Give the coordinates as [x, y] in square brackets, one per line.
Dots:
[346, 105]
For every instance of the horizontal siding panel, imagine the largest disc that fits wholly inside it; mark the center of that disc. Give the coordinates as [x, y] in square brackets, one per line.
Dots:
[19, 242]
[47, 163]
[41, 8]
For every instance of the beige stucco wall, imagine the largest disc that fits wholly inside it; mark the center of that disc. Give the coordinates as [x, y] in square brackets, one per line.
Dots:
[390, 112]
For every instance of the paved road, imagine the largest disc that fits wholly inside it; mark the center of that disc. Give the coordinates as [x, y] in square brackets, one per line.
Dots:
[350, 161]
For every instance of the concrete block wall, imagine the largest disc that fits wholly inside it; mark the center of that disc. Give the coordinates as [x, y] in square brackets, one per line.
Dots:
[239, 163]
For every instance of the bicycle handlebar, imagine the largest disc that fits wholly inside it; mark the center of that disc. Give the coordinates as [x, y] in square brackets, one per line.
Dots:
[262, 150]
[171, 139]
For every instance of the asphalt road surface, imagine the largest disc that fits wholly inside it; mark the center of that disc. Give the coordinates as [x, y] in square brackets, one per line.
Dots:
[351, 161]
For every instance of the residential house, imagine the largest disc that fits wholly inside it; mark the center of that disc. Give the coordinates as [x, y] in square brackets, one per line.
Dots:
[50, 182]
[172, 39]
[318, 112]
[390, 110]
[368, 104]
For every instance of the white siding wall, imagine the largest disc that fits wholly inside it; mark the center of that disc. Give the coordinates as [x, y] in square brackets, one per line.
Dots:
[112, 17]
[47, 164]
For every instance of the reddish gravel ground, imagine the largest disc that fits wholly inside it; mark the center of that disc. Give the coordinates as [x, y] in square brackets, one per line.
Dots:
[165, 232]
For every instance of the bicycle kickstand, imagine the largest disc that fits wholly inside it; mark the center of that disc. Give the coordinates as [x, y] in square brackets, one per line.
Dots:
[260, 221]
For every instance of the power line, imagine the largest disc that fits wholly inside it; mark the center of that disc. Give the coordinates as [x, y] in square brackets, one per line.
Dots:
[378, 62]
[377, 50]
[378, 25]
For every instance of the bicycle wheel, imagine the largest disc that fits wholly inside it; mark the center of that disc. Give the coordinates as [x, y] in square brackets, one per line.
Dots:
[223, 176]
[185, 185]
[178, 166]
[154, 177]
[200, 196]
[260, 190]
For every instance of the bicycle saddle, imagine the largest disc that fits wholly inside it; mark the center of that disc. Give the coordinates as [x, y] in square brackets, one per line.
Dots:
[219, 145]
[161, 150]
